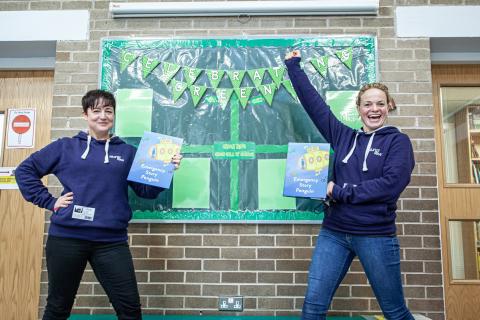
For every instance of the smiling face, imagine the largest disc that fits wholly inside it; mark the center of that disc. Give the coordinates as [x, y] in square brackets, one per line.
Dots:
[373, 107]
[100, 119]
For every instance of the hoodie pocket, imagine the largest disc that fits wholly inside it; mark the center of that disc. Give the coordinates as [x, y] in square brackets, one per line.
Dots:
[366, 214]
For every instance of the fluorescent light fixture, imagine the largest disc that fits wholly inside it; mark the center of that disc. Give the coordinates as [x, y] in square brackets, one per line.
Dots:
[243, 8]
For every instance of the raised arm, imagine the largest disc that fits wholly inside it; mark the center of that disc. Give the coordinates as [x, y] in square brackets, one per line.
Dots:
[329, 126]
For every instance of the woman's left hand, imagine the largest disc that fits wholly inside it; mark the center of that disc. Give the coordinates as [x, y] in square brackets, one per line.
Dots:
[176, 160]
[330, 188]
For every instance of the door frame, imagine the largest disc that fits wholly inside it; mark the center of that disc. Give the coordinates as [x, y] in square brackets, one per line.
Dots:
[457, 201]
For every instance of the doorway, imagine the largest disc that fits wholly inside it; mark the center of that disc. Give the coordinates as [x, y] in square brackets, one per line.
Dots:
[456, 93]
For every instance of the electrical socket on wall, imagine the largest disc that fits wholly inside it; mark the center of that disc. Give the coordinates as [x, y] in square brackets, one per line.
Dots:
[230, 303]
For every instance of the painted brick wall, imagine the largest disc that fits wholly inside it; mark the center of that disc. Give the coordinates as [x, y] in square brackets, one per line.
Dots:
[183, 268]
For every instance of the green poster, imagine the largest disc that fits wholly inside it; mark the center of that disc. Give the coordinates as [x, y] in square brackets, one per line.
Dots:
[268, 91]
[343, 106]
[133, 114]
[191, 184]
[271, 175]
[191, 74]
[256, 75]
[276, 73]
[215, 76]
[243, 94]
[321, 64]
[148, 65]
[126, 58]
[178, 88]
[236, 77]
[346, 56]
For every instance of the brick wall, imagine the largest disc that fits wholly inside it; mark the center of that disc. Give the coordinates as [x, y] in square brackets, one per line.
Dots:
[182, 268]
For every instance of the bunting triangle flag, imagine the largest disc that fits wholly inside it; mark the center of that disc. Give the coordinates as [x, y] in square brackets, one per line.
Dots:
[215, 76]
[321, 64]
[197, 93]
[243, 94]
[257, 76]
[346, 56]
[268, 91]
[178, 88]
[191, 74]
[148, 65]
[287, 84]
[223, 95]
[169, 70]
[276, 73]
[126, 58]
[236, 77]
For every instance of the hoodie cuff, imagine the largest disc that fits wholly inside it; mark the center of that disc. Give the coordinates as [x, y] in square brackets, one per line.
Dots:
[295, 61]
[51, 204]
[337, 192]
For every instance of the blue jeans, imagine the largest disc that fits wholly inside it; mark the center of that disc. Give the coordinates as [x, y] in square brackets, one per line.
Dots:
[112, 264]
[333, 255]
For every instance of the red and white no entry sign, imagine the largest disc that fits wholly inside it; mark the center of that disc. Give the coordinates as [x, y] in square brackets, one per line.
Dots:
[21, 124]
[21, 128]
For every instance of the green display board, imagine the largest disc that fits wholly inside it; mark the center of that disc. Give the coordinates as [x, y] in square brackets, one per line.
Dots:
[234, 106]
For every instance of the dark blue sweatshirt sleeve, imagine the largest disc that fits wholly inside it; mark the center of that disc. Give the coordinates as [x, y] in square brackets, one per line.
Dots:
[145, 191]
[30, 172]
[329, 126]
[398, 167]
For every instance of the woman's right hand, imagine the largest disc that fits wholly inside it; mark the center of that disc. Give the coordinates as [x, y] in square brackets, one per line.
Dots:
[292, 54]
[63, 201]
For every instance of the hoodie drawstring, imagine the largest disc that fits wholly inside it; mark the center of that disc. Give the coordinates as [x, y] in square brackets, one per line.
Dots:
[367, 151]
[84, 155]
[107, 144]
[87, 150]
[345, 160]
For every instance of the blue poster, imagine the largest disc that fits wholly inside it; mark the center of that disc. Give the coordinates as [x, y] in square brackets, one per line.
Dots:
[306, 173]
[153, 161]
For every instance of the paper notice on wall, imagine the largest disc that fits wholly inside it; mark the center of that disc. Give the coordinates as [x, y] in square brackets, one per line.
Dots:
[20, 128]
[7, 178]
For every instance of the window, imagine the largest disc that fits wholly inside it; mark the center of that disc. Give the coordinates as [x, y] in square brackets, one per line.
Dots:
[461, 133]
[464, 249]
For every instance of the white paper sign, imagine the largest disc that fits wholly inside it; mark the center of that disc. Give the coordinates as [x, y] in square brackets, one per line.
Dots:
[20, 128]
[7, 178]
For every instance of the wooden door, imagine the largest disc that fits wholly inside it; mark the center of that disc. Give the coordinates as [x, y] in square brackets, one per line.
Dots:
[21, 223]
[459, 188]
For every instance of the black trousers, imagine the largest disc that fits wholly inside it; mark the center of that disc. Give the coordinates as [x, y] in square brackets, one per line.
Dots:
[112, 264]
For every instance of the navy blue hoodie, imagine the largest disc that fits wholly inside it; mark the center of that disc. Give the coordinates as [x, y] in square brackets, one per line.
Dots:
[96, 172]
[370, 169]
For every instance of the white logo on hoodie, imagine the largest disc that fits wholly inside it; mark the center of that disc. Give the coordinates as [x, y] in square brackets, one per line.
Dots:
[118, 158]
[376, 152]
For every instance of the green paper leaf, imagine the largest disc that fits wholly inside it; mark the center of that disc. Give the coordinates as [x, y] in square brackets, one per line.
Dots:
[126, 58]
[257, 76]
[268, 91]
[321, 65]
[287, 84]
[277, 75]
[236, 77]
[178, 88]
[169, 70]
[197, 93]
[215, 76]
[191, 74]
[223, 96]
[243, 94]
[346, 56]
[148, 65]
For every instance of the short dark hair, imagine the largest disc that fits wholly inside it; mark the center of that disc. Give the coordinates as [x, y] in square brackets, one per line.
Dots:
[94, 98]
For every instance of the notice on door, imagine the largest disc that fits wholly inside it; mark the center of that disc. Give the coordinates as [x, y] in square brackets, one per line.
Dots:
[21, 128]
